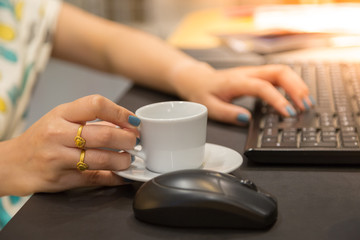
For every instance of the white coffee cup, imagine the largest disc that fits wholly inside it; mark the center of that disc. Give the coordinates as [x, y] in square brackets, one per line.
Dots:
[173, 135]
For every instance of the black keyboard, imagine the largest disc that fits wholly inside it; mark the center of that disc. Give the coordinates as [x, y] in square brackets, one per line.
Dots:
[326, 134]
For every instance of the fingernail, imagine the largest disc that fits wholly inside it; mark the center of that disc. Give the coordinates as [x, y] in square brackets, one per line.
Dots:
[132, 158]
[134, 120]
[313, 102]
[306, 105]
[290, 110]
[137, 141]
[244, 118]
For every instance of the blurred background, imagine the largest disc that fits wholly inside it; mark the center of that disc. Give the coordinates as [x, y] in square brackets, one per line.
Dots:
[158, 17]
[161, 17]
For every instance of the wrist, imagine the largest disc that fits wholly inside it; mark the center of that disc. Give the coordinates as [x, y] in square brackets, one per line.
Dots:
[189, 65]
[189, 75]
[10, 169]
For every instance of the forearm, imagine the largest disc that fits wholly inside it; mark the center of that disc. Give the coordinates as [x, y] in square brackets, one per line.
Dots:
[145, 59]
[115, 48]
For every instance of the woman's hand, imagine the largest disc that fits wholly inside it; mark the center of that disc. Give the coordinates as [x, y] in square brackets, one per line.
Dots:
[217, 88]
[44, 158]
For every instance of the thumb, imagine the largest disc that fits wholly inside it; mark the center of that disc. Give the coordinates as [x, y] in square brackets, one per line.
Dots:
[222, 111]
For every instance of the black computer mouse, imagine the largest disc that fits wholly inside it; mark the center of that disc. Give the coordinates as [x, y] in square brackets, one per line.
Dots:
[204, 198]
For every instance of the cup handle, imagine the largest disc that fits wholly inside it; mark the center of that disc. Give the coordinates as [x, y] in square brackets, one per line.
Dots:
[137, 153]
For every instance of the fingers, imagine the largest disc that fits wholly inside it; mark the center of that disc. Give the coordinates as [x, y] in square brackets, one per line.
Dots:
[94, 107]
[96, 135]
[227, 112]
[271, 95]
[118, 131]
[230, 113]
[102, 136]
[284, 77]
[98, 159]
[259, 81]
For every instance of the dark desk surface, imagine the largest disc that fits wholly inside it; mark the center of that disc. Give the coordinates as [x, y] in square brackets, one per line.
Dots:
[315, 202]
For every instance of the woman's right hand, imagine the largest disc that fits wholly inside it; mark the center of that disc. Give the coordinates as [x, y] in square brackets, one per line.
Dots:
[45, 157]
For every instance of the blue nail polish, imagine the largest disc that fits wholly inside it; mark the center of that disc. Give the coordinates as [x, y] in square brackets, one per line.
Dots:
[137, 141]
[312, 100]
[306, 105]
[290, 110]
[132, 158]
[244, 118]
[134, 120]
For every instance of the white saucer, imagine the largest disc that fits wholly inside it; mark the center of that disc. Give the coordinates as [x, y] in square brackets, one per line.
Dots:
[217, 158]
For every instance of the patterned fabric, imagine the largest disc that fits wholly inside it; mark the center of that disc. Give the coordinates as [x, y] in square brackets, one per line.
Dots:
[9, 205]
[26, 28]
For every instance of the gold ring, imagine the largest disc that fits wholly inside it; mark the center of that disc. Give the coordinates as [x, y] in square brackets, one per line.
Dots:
[79, 141]
[81, 165]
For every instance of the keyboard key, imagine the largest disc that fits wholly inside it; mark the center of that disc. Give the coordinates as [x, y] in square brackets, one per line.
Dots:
[329, 139]
[270, 132]
[328, 134]
[318, 144]
[328, 129]
[308, 139]
[269, 144]
[289, 139]
[349, 138]
[353, 144]
[279, 145]
[288, 144]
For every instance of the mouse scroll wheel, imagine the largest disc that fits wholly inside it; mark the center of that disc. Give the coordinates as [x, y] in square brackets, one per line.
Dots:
[249, 184]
